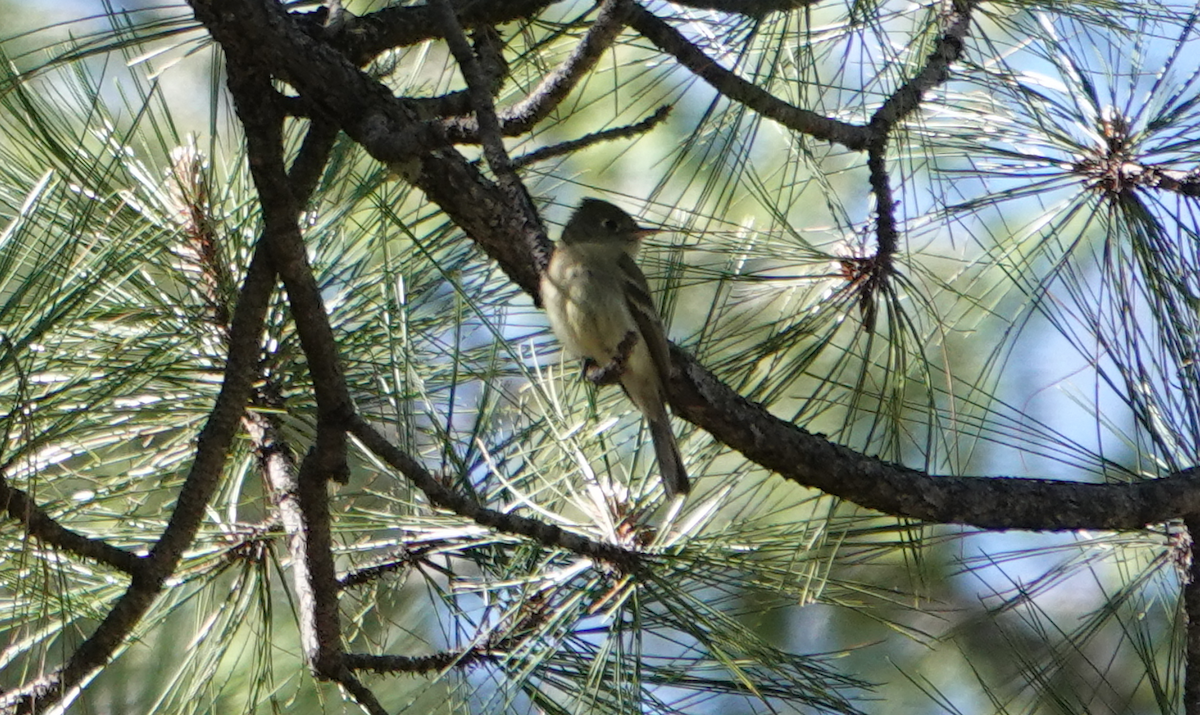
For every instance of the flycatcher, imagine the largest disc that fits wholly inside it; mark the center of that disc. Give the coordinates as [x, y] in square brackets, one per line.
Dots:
[600, 308]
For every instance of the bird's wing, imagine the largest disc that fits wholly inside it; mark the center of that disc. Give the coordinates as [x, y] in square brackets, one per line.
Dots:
[641, 306]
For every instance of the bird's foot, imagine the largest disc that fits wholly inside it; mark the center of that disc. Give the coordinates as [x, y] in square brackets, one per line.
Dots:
[610, 373]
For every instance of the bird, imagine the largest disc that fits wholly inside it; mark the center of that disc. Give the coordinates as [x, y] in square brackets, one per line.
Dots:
[599, 307]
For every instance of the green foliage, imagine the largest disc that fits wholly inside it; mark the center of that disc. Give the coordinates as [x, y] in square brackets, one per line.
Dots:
[126, 225]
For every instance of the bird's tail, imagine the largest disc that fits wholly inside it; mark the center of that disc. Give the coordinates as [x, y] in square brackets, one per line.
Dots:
[670, 461]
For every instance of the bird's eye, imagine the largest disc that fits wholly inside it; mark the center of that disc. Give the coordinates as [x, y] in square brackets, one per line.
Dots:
[609, 224]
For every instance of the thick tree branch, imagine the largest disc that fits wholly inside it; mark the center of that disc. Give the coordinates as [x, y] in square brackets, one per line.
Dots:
[986, 502]
[336, 88]
[245, 332]
[368, 112]
[749, 8]
[252, 96]
[302, 498]
[475, 204]
[315, 636]
[401, 26]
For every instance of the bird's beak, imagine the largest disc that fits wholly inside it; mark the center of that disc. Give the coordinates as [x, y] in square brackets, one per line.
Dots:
[643, 232]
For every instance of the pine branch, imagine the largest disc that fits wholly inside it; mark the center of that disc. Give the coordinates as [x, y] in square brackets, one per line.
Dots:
[19, 506]
[548, 535]
[672, 42]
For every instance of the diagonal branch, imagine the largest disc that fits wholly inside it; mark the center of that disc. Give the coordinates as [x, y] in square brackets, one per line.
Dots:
[485, 114]
[38, 523]
[212, 448]
[442, 497]
[360, 692]
[672, 42]
[895, 109]
[555, 87]
[574, 145]
[369, 113]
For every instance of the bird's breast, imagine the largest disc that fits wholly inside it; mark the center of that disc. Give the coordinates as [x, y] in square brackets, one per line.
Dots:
[587, 309]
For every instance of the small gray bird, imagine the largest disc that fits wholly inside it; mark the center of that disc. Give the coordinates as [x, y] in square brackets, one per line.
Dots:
[600, 308]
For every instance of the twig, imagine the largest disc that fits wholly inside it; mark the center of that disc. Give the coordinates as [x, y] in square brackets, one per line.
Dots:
[947, 49]
[520, 203]
[887, 236]
[898, 106]
[587, 140]
[669, 40]
[750, 8]
[552, 90]
[559, 83]
[1113, 176]
[440, 496]
[1190, 576]
[368, 574]
[38, 523]
[413, 664]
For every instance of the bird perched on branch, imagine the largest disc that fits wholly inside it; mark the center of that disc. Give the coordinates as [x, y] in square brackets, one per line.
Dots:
[600, 308]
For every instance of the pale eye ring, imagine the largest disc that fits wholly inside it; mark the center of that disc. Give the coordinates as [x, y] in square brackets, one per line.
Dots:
[609, 224]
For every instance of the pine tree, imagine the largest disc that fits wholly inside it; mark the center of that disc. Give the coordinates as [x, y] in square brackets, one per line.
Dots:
[283, 429]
